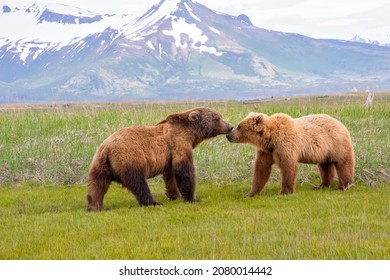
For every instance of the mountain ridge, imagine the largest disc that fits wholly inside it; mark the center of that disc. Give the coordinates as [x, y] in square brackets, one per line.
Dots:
[178, 49]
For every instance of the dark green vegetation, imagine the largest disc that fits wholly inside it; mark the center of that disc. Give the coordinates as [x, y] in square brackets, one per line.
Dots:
[45, 152]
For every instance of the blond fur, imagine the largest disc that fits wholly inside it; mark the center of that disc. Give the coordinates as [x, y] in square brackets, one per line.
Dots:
[314, 139]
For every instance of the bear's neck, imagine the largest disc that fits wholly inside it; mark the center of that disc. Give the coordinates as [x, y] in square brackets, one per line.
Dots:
[196, 143]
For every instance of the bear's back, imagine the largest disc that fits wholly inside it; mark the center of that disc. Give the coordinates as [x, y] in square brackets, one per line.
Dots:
[322, 123]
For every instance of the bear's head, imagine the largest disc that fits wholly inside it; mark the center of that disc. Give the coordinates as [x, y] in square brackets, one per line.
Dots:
[202, 121]
[251, 130]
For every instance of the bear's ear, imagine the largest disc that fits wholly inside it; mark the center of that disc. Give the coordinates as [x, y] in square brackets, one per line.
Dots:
[256, 117]
[175, 118]
[195, 116]
[257, 122]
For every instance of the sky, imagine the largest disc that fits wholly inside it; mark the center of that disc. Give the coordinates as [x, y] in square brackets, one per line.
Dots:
[329, 19]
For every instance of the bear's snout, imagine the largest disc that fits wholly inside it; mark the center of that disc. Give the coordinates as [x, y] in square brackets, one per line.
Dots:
[230, 137]
[228, 128]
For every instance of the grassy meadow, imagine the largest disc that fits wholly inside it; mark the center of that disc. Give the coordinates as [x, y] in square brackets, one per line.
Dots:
[45, 152]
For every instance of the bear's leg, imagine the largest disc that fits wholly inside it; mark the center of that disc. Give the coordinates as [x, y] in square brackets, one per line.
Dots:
[345, 173]
[327, 173]
[261, 172]
[135, 182]
[185, 178]
[171, 190]
[99, 180]
[289, 170]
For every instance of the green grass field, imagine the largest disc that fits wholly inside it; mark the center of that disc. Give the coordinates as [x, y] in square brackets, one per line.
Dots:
[45, 151]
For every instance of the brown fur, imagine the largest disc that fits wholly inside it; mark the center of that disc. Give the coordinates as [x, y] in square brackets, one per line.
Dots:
[132, 155]
[316, 139]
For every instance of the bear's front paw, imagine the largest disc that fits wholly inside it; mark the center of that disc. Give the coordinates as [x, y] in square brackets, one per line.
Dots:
[316, 188]
[286, 191]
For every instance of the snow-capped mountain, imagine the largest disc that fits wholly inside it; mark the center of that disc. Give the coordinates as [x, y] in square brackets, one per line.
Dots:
[361, 39]
[178, 49]
[28, 30]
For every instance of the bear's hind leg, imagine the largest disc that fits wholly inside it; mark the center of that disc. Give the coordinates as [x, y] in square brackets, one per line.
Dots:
[171, 191]
[136, 183]
[99, 180]
[327, 173]
[345, 172]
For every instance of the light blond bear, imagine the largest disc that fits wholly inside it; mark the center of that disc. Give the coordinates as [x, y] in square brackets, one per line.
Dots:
[314, 139]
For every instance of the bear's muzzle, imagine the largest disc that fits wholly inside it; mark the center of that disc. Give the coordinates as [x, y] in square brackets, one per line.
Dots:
[231, 137]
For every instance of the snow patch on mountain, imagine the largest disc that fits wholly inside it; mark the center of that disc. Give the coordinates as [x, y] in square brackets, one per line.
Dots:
[362, 39]
[191, 13]
[33, 29]
[143, 26]
[185, 34]
[181, 29]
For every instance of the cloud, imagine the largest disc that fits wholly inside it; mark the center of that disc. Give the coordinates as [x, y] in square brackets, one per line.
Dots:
[338, 22]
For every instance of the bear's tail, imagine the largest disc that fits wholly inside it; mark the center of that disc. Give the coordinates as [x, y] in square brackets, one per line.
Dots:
[99, 180]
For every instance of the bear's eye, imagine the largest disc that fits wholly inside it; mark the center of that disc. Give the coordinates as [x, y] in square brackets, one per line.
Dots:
[216, 119]
[238, 127]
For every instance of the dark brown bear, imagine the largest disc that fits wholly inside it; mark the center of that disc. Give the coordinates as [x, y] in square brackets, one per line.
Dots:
[132, 155]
